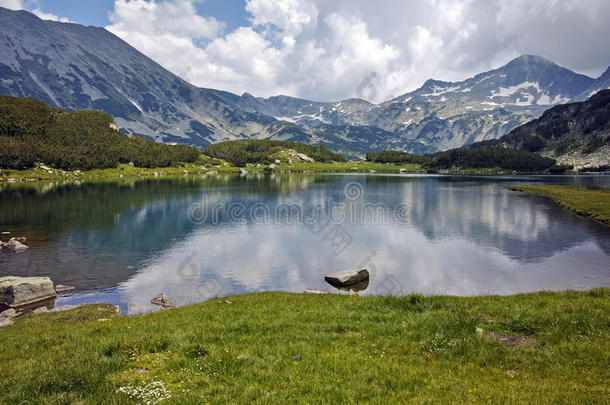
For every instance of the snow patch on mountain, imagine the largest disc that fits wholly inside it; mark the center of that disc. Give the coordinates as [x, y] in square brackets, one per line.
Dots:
[509, 91]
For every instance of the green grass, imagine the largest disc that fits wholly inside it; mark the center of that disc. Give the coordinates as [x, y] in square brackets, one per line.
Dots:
[306, 348]
[588, 203]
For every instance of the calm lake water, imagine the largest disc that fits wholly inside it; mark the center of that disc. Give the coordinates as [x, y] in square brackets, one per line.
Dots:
[194, 238]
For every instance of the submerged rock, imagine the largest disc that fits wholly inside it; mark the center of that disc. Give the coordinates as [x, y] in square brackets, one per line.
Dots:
[347, 278]
[23, 291]
[59, 288]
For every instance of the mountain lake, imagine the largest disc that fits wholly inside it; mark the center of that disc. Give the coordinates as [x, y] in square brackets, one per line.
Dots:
[198, 237]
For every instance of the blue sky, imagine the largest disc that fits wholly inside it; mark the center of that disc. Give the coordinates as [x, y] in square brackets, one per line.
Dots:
[95, 12]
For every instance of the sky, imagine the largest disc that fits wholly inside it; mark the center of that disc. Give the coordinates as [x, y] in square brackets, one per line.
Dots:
[329, 50]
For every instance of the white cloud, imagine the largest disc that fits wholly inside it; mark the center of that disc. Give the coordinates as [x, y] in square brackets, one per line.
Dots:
[323, 50]
[19, 5]
[49, 16]
[11, 4]
[289, 15]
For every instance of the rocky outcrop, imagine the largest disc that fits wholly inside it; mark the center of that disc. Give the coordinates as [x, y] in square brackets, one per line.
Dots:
[18, 292]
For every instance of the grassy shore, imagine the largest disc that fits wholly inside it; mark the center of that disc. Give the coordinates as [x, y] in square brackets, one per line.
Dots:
[306, 348]
[588, 203]
[205, 166]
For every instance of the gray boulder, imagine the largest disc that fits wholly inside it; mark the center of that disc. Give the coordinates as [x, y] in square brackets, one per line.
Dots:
[20, 291]
[347, 278]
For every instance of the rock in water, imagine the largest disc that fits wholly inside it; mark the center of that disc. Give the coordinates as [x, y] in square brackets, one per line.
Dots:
[21, 291]
[16, 245]
[347, 278]
[163, 301]
[59, 288]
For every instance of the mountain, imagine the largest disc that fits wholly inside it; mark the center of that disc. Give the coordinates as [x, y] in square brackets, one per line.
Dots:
[602, 83]
[76, 67]
[443, 115]
[575, 134]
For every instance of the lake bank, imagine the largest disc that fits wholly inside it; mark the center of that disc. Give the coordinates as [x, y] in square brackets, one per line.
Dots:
[278, 347]
[43, 172]
[587, 203]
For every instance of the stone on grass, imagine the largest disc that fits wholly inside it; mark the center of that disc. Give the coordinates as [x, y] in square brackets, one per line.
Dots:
[6, 322]
[9, 313]
[306, 158]
[63, 308]
[40, 310]
[347, 277]
[510, 340]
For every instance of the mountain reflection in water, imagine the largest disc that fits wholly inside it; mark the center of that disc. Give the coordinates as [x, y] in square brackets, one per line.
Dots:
[454, 235]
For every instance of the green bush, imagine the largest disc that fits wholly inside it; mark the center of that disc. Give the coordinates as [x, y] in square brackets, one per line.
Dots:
[491, 157]
[395, 156]
[31, 131]
[242, 152]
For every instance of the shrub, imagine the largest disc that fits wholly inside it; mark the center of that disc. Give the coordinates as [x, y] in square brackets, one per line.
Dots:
[395, 156]
[31, 131]
[242, 152]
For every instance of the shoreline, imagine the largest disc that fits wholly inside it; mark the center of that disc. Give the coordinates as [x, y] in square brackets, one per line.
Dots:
[594, 204]
[124, 171]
